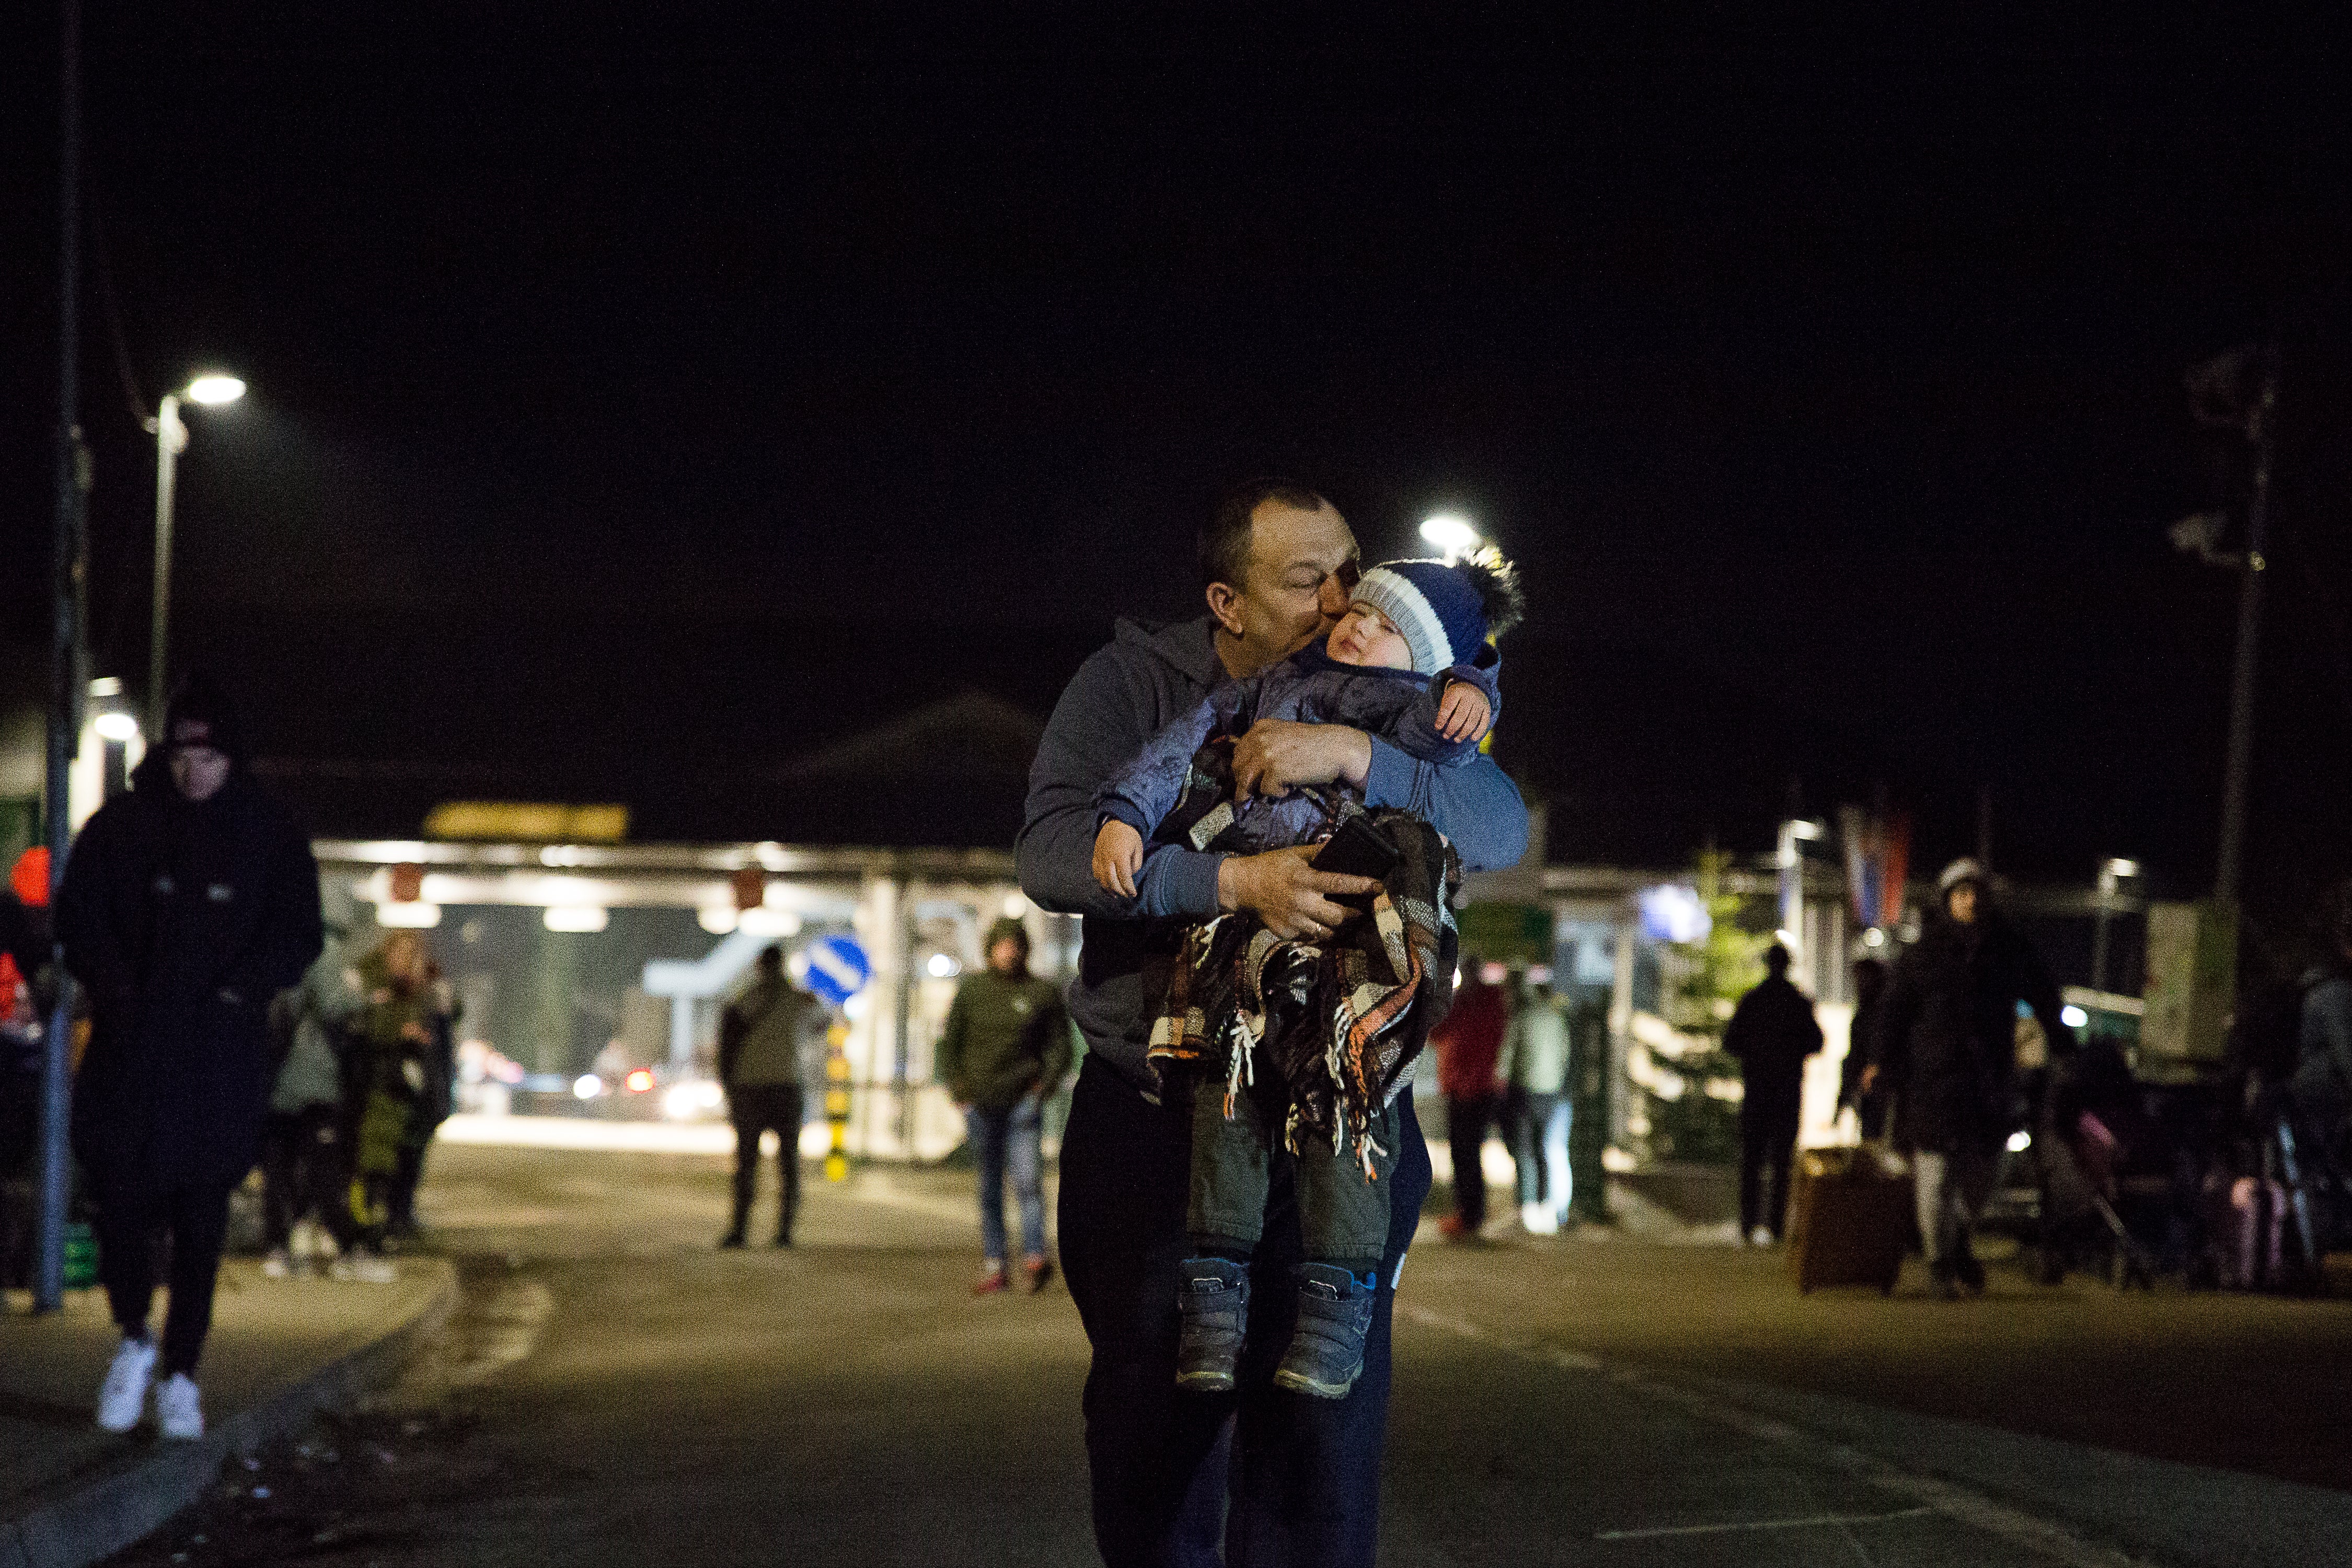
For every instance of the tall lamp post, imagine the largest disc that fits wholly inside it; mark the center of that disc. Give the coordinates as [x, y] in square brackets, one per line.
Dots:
[2111, 875]
[170, 440]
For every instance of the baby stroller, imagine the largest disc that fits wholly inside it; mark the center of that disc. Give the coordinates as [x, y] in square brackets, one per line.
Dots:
[2108, 1174]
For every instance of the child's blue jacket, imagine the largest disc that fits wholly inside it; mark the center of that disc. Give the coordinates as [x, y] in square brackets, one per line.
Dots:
[1309, 687]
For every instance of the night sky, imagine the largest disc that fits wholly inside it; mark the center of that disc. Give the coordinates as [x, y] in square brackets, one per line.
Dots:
[647, 402]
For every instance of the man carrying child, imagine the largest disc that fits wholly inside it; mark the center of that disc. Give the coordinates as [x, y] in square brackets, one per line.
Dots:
[1279, 564]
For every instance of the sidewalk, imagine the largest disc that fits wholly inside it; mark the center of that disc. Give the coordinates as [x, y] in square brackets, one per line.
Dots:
[70, 1494]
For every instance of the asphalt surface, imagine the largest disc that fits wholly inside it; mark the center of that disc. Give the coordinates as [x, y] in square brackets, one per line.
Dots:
[616, 1391]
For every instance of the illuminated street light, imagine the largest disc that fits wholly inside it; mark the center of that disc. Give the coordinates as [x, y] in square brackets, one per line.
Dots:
[1451, 533]
[576, 917]
[115, 726]
[210, 390]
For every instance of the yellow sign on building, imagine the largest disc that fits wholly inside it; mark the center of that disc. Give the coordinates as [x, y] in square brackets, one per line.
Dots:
[530, 821]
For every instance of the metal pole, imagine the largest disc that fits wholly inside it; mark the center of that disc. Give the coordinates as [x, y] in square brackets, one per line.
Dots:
[2239, 772]
[1792, 885]
[65, 664]
[170, 440]
[2099, 932]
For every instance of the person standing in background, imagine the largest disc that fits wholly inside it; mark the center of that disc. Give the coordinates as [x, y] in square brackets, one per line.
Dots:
[763, 1036]
[1469, 1041]
[1870, 1105]
[303, 1146]
[1772, 1031]
[1003, 1051]
[1532, 1073]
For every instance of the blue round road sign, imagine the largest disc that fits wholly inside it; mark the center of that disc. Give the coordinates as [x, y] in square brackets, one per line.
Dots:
[838, 969]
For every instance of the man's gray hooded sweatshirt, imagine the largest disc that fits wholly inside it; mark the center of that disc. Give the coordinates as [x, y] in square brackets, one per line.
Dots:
[1122, 697]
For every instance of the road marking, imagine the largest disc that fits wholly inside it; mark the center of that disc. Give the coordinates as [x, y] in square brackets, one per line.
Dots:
[1811, 1522]
[1956, 1503]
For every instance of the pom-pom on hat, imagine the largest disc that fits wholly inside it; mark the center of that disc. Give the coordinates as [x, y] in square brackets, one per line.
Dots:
[1444, 608]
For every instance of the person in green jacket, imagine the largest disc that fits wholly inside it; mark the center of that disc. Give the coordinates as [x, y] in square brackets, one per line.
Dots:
[1531, 1071]
[1004, 1052]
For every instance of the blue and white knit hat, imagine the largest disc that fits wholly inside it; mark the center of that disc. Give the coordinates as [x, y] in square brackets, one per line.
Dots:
[1435, 604]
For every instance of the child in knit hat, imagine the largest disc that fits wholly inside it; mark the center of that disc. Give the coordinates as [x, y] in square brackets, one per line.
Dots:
[1411, 661]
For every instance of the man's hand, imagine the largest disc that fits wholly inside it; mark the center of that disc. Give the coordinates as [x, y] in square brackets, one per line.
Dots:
[1289, 897]
[1870, 1078]
[1461, 712]
[1119, 858]
[1278, 754]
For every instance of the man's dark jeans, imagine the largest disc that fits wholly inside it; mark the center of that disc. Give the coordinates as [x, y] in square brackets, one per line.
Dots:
[755, 1109]
[131, 1221]
[302, 1174]
[1467, 1121]
[1304, 1477]
[1006, 1142]
[1767, 1147]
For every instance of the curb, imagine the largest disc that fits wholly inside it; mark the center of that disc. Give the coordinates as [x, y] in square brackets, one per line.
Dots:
[111, 1512]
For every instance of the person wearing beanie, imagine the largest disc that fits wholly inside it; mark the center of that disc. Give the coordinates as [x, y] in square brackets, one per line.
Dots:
[1946, 1045]
[1002, 1053]
[1411, 661]
[188, 903]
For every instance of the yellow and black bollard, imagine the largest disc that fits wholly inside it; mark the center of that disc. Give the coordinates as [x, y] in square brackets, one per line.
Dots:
[836, 1101]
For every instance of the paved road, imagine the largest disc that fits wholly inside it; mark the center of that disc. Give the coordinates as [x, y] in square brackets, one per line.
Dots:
[618, 1391]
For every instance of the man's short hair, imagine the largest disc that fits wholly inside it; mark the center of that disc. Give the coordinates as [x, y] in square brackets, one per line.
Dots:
[1224, 543]
[771, 957]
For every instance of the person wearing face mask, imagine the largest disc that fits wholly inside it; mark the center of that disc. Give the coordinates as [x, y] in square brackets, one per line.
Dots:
[188, 904]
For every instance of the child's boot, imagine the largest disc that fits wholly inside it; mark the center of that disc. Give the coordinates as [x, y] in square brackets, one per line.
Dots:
[1212, 1307]
[1327, 1348]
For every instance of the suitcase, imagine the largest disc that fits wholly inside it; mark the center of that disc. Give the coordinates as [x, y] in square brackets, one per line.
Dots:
[1850, 1220]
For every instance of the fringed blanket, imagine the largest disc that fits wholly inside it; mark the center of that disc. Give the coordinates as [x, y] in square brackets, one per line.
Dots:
[1339, 1022]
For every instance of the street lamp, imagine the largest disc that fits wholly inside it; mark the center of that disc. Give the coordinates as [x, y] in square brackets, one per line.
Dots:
[1790, 863]
[211, 391]
[1451, 533]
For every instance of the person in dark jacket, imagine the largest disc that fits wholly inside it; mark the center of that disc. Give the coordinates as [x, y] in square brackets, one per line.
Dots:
[1002, 1053]
[1173, 1474]
[1869, 1002]
[435, 1101]
[1772, 1031]
[764, 1035]
[1946, 1043]
[188, 904]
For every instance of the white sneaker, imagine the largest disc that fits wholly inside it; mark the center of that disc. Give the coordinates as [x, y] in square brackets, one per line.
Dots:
[178, 1414]
[1760, 1237]
[1539, 1219]
[279, 1265]
[122, 1398]
[366, 1268]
